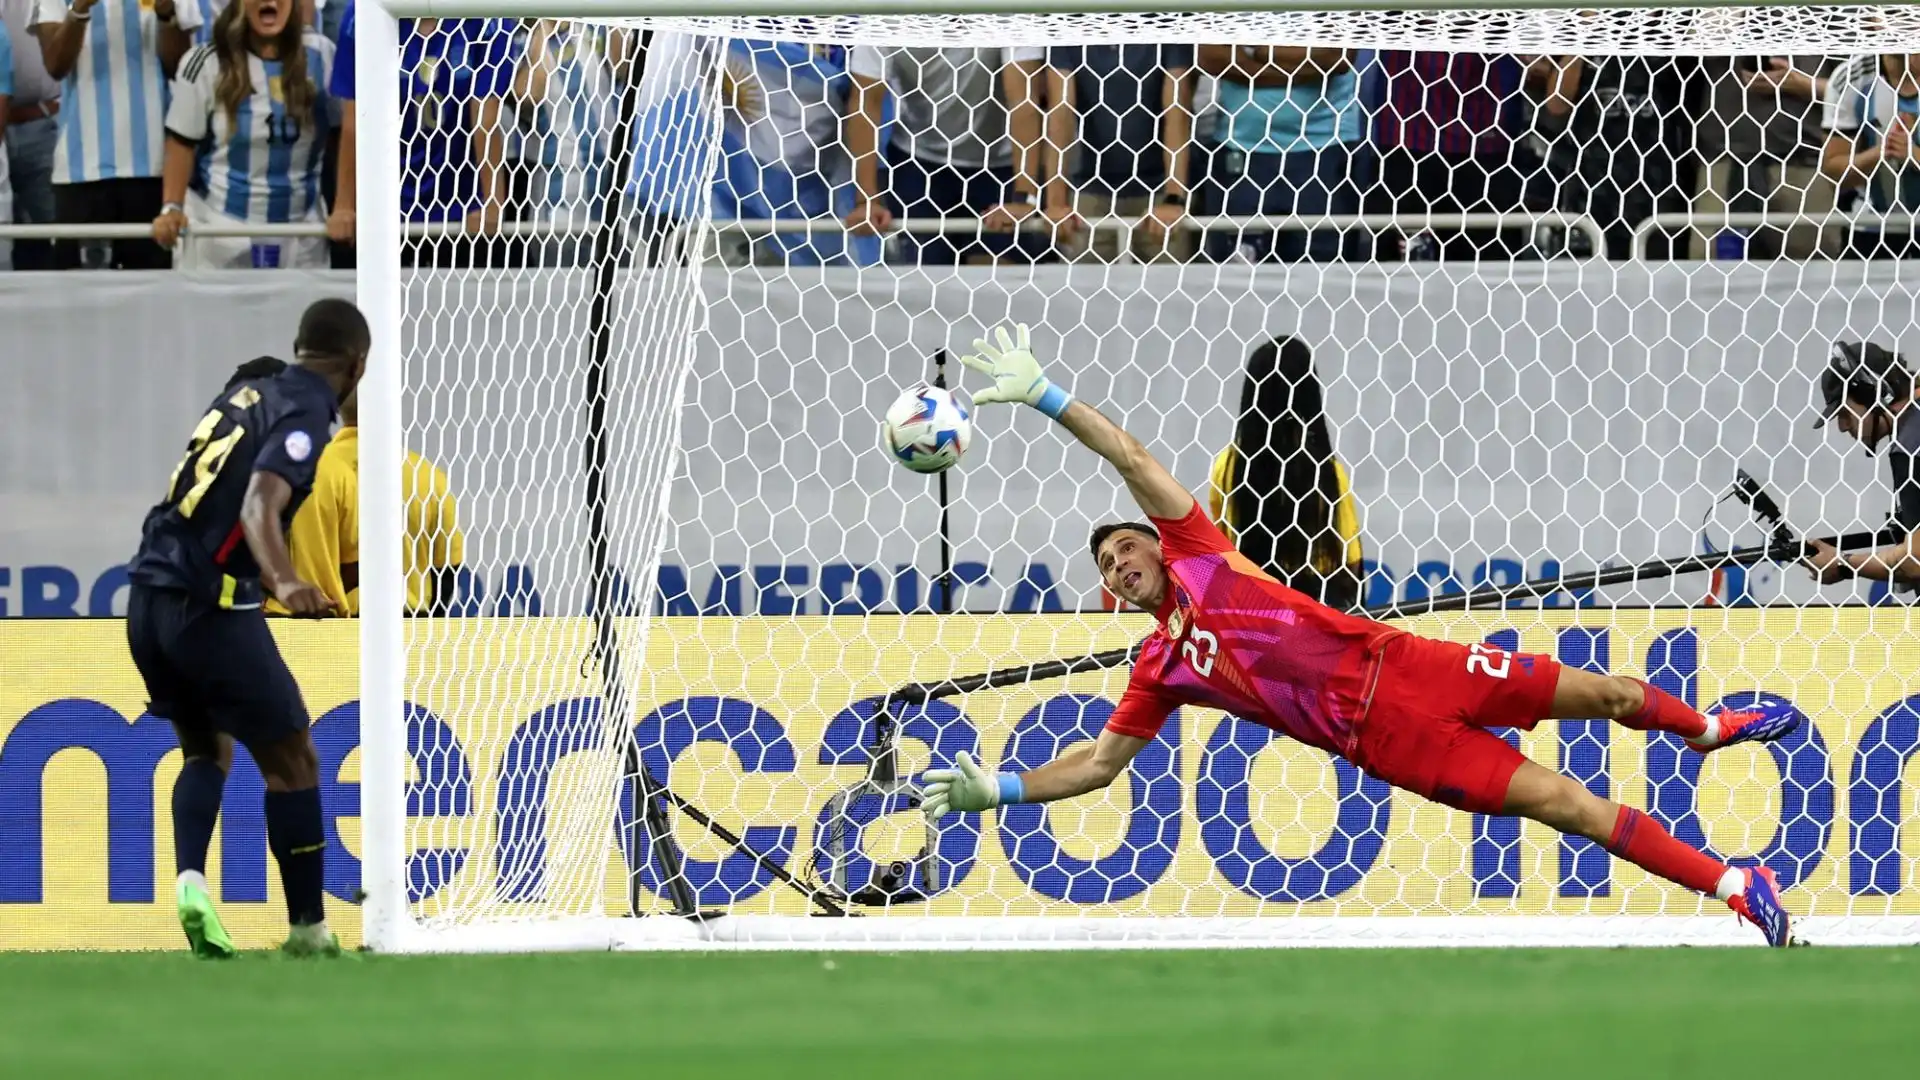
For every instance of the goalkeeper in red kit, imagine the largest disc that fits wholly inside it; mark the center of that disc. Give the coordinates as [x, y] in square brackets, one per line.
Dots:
[1411, 711]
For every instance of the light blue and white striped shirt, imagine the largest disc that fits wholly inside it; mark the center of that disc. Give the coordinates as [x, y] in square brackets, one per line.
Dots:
[209, 11]
[114, 103]
[572, 128]
[263, 164]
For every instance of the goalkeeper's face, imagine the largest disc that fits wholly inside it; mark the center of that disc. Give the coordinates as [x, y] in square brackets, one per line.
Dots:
[1130, 567]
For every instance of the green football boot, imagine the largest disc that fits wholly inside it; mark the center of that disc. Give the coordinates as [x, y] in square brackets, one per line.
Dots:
[202, 923]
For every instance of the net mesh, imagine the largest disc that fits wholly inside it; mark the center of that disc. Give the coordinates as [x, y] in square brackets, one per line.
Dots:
[653, 339]
[1617, 31]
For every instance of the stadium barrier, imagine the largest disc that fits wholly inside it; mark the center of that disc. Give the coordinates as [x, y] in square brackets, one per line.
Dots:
[754, 227]
[1900, 222]
[1893, 221]
[1220, 818]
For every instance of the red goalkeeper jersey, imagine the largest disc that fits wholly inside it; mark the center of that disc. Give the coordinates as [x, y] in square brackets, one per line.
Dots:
[1231, 637]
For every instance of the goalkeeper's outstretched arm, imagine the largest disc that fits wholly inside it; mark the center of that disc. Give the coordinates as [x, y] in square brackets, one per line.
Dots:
[1017, 378]
[967, 787]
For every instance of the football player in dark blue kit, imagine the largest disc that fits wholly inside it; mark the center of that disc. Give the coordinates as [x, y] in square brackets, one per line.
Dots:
[210, 552]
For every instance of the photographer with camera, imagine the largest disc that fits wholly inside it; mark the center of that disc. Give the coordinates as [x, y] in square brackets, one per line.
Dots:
[1868, 391]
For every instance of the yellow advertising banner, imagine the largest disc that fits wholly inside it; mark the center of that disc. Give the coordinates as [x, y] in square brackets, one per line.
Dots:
[762, 721]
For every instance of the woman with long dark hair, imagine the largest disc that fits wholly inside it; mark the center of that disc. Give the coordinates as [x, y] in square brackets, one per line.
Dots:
[1279, 492]
[245, 135]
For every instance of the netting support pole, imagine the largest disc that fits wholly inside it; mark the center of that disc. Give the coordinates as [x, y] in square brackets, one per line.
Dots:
[946, 524]
[383, 645]
[646, 809]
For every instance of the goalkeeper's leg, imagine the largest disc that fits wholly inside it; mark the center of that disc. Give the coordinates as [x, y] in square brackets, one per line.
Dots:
[1546, 796]
[1425, 732]
[1636, 704]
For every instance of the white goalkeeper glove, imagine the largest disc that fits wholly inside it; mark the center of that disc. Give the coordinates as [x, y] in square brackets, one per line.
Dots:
[1015, 373]
[966, 788]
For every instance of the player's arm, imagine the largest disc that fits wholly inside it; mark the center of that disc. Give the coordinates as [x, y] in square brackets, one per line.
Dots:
[1017, 378]
[967, 787]
[267, 496]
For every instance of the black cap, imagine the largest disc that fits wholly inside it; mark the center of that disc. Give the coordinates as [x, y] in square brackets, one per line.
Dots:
[1858, 371]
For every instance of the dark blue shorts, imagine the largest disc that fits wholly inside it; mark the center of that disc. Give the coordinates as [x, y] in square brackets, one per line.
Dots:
[212, 670]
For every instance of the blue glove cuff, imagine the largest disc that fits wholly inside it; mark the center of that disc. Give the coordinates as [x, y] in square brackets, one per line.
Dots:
[1011, 789]
[1054, 400]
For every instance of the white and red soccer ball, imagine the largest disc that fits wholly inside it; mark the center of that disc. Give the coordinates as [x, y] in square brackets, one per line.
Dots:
[926, 429]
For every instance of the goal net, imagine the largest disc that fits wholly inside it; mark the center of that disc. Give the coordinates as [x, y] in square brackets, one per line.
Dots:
[1498, 325]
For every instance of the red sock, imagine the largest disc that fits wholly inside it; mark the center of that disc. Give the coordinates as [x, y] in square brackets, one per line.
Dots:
[1663, 712]
[1641, 841]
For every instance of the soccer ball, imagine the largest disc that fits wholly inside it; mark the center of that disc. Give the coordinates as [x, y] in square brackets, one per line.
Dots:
[926, 429]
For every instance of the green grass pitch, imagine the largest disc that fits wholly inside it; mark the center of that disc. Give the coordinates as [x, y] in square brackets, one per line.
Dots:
[1623, 1014]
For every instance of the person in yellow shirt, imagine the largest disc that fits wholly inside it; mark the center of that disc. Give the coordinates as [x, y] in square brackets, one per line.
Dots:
[324, 540]
[1278, 491]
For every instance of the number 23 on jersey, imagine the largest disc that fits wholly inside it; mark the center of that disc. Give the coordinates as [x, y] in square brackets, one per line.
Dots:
[1199, 649]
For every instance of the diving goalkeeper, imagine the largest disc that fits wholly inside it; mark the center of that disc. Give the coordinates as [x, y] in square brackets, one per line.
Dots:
[1411, 711]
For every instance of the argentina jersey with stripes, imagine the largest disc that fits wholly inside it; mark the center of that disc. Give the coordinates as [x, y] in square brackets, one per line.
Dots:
[114, 102]
[260, 161]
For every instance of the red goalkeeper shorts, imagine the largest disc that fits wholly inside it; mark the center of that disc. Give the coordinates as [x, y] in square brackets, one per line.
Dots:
[1425, 729]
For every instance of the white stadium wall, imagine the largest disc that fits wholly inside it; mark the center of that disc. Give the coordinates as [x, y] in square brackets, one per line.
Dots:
[1496, 421]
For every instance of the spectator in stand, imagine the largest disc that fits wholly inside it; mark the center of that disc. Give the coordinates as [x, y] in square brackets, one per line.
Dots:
[1627, 143]
[1445, 134]
[781, 155]
[1871, 107]
[31, 132]
[246, 132]
[6, 99]
[114, 57]
[964, 142]
[211, 9]
[563, 93]
[1119, 122]
[1760, 142]
[454, 77]
[1290, 120]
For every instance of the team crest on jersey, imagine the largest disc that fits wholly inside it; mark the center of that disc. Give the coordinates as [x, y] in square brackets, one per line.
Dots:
[299, 445]
[1179, 619]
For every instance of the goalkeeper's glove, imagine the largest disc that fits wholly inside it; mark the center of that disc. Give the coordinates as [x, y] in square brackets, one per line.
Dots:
[1015, 373]
[966, 788]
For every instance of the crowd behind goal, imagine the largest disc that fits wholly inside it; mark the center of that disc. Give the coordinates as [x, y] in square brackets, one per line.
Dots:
[1067, 153]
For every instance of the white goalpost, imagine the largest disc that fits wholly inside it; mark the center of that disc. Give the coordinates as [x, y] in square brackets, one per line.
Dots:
[702, 635]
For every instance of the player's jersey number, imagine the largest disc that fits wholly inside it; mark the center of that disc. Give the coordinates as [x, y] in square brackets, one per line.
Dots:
[1200, 648]
[1489, 661]
[207, 452]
